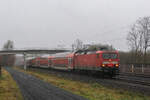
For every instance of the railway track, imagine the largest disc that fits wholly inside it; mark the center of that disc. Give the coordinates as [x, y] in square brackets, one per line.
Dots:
[124, 77]
[135, 74]
[135, 78]
[134, 81]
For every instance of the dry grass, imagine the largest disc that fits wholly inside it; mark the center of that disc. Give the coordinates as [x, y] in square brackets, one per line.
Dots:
[8, 88]
[92, 91]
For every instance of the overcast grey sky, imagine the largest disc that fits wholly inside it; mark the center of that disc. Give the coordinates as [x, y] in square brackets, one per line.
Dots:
[48, 23]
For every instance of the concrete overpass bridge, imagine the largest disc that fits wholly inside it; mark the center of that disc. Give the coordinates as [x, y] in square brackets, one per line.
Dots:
[33, 51]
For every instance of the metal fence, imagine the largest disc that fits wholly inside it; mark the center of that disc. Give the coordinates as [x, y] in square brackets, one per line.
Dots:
[135, 68]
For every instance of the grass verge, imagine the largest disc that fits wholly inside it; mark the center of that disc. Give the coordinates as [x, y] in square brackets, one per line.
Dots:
[8, 88]
[91, 91]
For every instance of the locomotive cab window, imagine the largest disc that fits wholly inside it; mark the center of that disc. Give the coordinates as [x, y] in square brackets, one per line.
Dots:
[109, 56]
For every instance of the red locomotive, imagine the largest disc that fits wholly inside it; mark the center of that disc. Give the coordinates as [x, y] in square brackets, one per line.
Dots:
[93, 61]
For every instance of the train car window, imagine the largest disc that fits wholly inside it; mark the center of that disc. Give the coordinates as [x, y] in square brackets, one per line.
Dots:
[85, 53]
[70, 61]
[91, 52]
[78, 53]
[82, 53]
[88, 52]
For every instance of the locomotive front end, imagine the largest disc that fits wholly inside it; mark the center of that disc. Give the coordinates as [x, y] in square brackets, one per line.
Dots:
[110, 63]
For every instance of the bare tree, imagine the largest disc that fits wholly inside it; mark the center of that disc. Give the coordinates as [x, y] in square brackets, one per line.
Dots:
[8, 59]
[77, 45]
[100, 47]
[139, 37]
[9, 45]
[61, 46]
[144, 24]
[134, 39]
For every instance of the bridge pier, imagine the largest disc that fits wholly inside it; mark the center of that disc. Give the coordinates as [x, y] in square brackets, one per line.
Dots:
[25, 61]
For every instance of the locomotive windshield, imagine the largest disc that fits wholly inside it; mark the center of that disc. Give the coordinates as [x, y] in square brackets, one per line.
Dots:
[109, 56]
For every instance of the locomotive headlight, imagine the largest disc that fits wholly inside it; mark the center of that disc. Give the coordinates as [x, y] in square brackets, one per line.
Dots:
[103, 65]
[117, 65]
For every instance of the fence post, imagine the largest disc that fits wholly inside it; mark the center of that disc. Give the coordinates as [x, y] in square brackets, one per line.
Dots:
[122, 69]
[132, 68]
[0, 70]
[142, 68]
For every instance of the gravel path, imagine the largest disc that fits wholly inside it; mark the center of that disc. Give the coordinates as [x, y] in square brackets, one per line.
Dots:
[33, 88]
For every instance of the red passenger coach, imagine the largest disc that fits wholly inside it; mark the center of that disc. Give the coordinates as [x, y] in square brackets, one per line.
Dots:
[64, 62]
[42, 62]
[60, 63]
